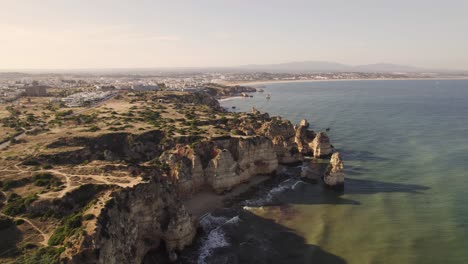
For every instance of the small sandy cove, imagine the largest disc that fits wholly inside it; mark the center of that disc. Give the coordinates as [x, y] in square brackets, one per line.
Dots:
[207, 201]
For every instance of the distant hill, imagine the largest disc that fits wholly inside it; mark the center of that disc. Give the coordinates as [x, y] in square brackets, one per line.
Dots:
[326, 66]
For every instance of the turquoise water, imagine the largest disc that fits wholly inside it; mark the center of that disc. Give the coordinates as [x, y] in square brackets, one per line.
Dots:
[405, 148]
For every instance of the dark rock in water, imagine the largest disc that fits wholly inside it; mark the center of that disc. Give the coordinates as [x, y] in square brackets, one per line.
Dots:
[334, 176]
[328, 129]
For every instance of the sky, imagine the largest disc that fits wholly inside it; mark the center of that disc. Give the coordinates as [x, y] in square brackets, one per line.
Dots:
[84, 34]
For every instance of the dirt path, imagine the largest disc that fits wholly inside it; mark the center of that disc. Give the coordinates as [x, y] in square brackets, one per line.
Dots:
[110, 180]
[45, 236]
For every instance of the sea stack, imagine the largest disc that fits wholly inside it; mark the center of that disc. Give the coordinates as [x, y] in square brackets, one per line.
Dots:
[304, 137]
[304, 123]
[334, 175]
[320, 146]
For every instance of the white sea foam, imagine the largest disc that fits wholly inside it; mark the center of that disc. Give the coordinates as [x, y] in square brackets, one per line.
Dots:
[210, 222]
[297, 184]
[230, 98]
[216, 237]
[286, 185]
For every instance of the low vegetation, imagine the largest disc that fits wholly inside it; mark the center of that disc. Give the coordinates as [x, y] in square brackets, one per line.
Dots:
[17, 205]
[47, 255]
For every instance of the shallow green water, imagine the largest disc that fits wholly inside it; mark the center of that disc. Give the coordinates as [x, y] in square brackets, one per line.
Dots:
[405, 147]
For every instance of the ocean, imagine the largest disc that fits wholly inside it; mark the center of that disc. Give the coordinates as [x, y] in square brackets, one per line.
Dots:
[405, 149]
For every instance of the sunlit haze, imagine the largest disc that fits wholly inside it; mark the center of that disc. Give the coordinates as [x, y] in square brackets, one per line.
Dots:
[57, 34]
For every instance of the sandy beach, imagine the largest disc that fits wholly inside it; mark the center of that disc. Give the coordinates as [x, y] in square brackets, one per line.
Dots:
[207, 201]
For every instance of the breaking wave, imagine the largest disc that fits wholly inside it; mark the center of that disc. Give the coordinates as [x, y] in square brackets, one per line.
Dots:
[216, 238]
[289, 184]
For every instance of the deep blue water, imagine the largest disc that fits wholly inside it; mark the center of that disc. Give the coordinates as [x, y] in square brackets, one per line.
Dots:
[405, 148]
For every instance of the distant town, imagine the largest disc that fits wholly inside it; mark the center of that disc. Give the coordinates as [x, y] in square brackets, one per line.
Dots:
[74, 90]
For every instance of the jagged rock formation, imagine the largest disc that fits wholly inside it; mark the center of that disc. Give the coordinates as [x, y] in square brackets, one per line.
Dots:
[334, 175]
[220, 164]
[304, 123]
[136, 221]
[186, 168]
[303, 137]
[320, 146]
[240, 161]
[282, 134]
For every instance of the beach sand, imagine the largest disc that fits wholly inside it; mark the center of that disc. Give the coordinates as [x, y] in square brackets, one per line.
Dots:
[207, 201]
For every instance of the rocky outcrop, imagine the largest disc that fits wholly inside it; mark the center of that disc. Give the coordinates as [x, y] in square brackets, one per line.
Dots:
[304, 137]
[304, 123]
[334, 175]
[136, 221]
[186, 168]
[282, 134]
[240, 161]
[320, 146]
[220, 164]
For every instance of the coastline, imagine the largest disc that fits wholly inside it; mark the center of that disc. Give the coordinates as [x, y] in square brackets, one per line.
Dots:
[255, 83]
[206, 202]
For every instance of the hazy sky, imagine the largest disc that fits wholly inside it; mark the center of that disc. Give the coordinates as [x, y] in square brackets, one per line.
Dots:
[52, 34]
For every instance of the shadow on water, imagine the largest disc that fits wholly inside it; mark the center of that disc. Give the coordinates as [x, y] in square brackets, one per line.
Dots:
[355, 170]
[306, 193]
[357, 186]
[249, 238]
[354, 155]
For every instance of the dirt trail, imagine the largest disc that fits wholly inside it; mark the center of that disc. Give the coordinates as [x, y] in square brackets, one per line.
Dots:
[45, 236]
[111, 180]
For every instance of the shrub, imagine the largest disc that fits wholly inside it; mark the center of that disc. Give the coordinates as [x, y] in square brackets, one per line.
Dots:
[63, 113]
[88, 217]
[92, 128]
[47, 255]
[69, 227]
[18, 222]
[47, 167]
[17, 205]
[9, 184]
[46, 180]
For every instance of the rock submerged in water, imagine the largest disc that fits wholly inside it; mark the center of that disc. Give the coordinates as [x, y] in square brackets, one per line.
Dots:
[334, 175]
[320, 146]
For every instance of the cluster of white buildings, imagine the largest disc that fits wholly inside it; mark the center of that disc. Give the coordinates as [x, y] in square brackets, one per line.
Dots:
[86, 98]
[8, 94]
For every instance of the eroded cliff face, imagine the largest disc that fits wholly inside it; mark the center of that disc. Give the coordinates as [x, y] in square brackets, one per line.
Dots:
[282, 134]
[227, 163]
[304, 136]
[240, 161]
[320, 146]
[186, 168]
[135, 221]
[149, 215]
[334, 175]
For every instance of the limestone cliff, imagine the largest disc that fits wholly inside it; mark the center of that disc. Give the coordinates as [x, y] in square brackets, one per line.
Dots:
[220, 164]
[303, 137]
[136, 221]
[282, 134]
[240, 161]
[185, 168]
[334, 175]
[320, 146]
